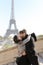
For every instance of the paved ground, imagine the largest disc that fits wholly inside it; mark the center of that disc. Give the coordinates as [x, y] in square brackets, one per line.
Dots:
[40, 61]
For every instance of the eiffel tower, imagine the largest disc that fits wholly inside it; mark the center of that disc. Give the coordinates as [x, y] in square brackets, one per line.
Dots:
[12, 21]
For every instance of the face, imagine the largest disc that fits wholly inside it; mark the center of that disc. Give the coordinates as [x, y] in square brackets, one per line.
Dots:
[22, 35]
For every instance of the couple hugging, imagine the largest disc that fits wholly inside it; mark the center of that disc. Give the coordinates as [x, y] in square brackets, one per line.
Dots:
[26, 52]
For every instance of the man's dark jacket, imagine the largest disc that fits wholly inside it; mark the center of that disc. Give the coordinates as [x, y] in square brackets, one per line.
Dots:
[29, 49]
[30, 52]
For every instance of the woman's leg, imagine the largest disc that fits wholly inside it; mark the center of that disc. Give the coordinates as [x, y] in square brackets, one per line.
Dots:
[33, 59]
[23, 61]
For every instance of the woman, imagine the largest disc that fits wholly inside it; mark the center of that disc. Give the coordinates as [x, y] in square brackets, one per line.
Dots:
[22, 58]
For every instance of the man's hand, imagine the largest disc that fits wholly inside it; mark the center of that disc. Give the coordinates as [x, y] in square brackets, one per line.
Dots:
[24, 53]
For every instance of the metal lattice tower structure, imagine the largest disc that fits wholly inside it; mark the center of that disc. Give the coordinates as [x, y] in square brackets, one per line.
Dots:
[12, 21]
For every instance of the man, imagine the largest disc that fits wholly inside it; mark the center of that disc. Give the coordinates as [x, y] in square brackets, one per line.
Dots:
[29, 46]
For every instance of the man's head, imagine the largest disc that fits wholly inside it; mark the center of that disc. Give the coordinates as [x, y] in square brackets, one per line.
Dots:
[22, 33]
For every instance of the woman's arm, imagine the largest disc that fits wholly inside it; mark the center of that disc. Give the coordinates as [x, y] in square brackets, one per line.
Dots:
[34, 36]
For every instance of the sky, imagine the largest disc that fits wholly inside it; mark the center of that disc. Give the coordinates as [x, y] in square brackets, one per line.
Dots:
[27, 13]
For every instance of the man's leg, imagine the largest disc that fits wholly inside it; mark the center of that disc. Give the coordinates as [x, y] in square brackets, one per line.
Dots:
[33, 59]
